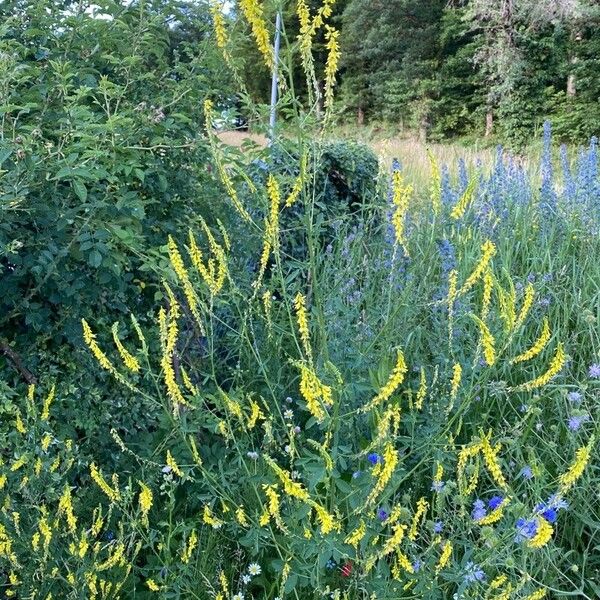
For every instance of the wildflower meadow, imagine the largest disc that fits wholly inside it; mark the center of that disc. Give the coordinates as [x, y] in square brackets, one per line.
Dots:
[388, 389]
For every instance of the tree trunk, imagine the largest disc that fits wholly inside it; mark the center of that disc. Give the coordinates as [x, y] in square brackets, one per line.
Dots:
[572, 78]
[489, 123]
[360, 117]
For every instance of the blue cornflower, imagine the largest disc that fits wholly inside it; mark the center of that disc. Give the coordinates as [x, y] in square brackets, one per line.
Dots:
[416, 565]
[437, 486]
[576, 421]
[550, 514]
[557, 502]
[374, 458]
[382, 514]
[526, 472]
[438, 526]
[331, 564]
[479, 510]
[575, 397]
[526, 529]
[473, 573]
[594, 371]
[495, 502]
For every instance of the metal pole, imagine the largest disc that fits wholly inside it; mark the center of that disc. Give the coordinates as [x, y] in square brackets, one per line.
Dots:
[275, 78]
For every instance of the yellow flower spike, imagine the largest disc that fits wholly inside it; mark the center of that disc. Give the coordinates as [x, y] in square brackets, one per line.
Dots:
[241, 518]
[495, 515]
[290, 487]
[331, 66]
[394, 381]
[255, 414]
[444, 557]
[315, 393]
[465, 200]
[582, 457]
[273, 508]
[152, 585]
[253, 11]
[191, 545]
[543, 534]
[298, 182]
[537, 595]
[487, 341]
[488, 250]
[302, 319]
[490, 457]
[488, 285]
[393, 542]
[112, 494]
[528, 297]
[400, 199]
[19, 425]
[355, 536]
[173, 464]
[209, 518]
[128, 359]
[184, 278]
[537, 346]
[326, 521]
[390, 462]
[455, 383]
[218, 26]
[556, 365]
[422, 506]
[422, 391]
[145, 501]
[65, 505]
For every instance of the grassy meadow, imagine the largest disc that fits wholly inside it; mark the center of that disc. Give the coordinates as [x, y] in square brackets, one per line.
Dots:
[358, 369]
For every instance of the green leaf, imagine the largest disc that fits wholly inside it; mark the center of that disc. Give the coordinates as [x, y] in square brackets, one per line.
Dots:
[95, 258]
[80, 189]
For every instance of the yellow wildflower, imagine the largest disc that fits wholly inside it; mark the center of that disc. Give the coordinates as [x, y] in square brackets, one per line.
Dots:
[537, 595]
[394, 541]
[255, 415]
[455, 383]
[65, 505]
[392, 384]
[537, 346]
[145, 501]
[210, 519]
[314, 392]
[152, 585]
[253, 12]
[173, 464]
[190, 547]
[20, 462]
[543, 534]
[422, 391]
[19, 425]
[113, 494]
[582, 456]
[240, 515]
[331, 66]
[400, 200]
[465, 200]
[302, 318]
[488, 284]
[436, 183]
[490, 457]
[487, 341]
[422, 506]
[291, 488]
[528, 297]
[488, 250]
[273, 508]
[556, 365]
[495, 515]
[326, 521]
[219, 27]
[128, 360]
[445, 556]
[390, 461]
[355, 536]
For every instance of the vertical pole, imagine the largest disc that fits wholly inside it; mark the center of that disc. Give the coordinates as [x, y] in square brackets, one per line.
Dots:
[275, 77]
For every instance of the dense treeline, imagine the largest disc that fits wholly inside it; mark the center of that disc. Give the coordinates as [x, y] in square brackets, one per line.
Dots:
[478, 67]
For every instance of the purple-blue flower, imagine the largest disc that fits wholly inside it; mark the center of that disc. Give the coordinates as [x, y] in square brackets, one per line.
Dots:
[416, 565]
[438, 526]
[576, 421]
[382, 514]
[495, 502]
[526, 529]
[473, 573]
[374, 458]
[437, 486]
[574, 397]
[526, 472]
[594, 371]
[479, 510]
[550, 514]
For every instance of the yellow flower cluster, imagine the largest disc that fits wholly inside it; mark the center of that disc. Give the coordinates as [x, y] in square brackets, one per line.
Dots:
[272, 510]
[422, 391]
[145, 502]
[208, 518]
[302, 319]
[488, 284]
[383, 471]
[128, 359]
[400, 199]
[326, 520]
[392, 384]
[47, 403]
[555, 367]
[455, 383]
[355, 536]
[466, 453]
[543, 534]
[487, 341]
[331, 66]
[65, 505]
[528, 297]
[183, 276]
[111, 492]
[172, 464]
[495, 515]
[488, 250]
[422, 506]
[214, 272]
[436, 183]
[465, 200]
[253, 11]
[537, 346]
[218, 24]
[490, 457]
[537, 595]
[315, 393]
[568, 479]
[191, 545]
[445, 556]
[290, 487]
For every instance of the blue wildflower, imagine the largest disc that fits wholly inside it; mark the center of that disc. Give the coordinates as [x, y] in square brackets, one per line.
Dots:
[437, 486]
[550, 514]
[331, 564]
[438, 526]
[495, 502]
[594, 371]
[575, 397]
[473, 573]
[576, 421]
[382, 514]
[526, 472]
[526, 529]
[374, 458]
[479, 511]
[417, 565]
